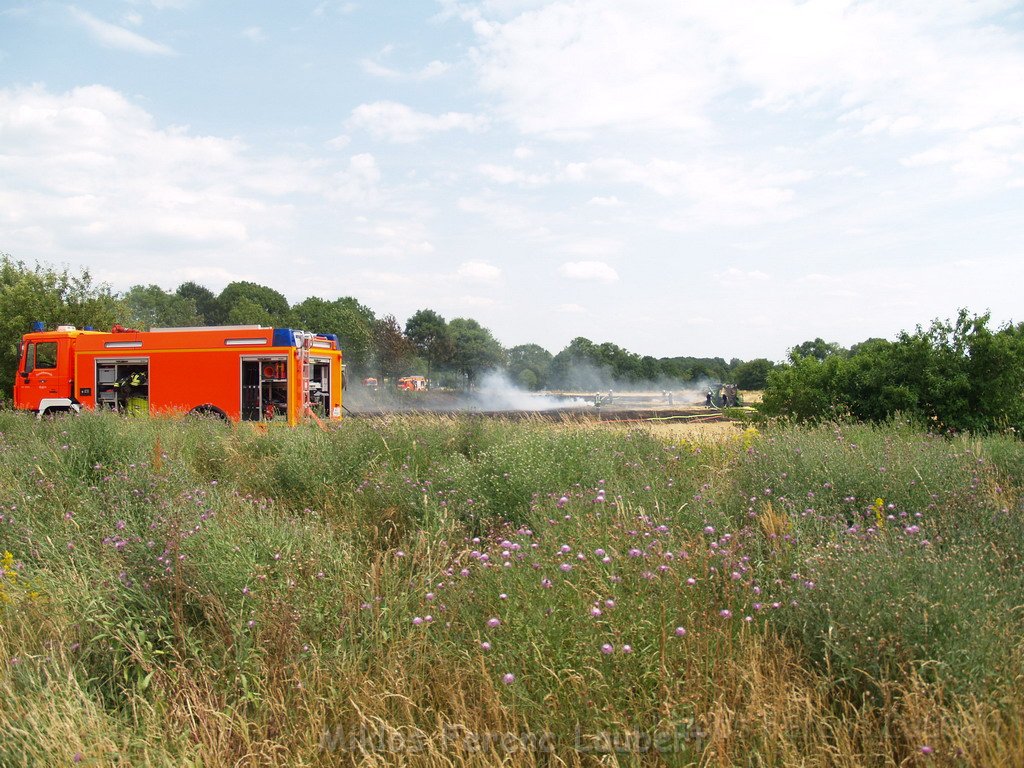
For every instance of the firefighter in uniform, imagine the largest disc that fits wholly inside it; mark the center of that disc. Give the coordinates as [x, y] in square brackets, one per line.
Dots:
[133, 393]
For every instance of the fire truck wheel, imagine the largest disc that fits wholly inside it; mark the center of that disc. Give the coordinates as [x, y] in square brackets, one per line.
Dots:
[208, 412]
[55, 411]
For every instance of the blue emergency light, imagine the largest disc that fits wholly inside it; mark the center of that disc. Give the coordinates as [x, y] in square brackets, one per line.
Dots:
[38, 326]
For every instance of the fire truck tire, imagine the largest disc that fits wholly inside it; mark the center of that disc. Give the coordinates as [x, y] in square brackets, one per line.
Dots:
[208, 412]
[55, 411]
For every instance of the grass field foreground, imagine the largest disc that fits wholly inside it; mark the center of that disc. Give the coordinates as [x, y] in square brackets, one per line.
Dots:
[424, 590]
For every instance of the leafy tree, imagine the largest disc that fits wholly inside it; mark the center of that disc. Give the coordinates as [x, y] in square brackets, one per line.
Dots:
[818, 349]
[428, 332]
[752, 374]
[274, 304]
[355, 334]
[959, 375]
[205, 301]
[245, 311]
[149, 306]
[392, 351]
[52, 296]
[805, 389]
[649, 369]
[475, 349]
[349, 320]
[527, 379]
[579, 366]
[529, 365]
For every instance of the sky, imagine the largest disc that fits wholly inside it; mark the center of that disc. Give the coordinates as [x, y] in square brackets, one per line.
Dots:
[678, 177]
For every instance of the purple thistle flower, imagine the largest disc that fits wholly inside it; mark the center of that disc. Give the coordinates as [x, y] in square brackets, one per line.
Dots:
[508, 678]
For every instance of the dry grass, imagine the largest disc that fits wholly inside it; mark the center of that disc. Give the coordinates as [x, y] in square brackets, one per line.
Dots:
[711, 431]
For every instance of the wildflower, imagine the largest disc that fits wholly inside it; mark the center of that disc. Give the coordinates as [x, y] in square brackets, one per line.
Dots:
[926, 750]
[417, 620]
[508, 678]
[627, 648]
[485, 646]
[595, 611]
[607, 648]
[725, 613]
[566, 567]
[680, 631]
[494, 622]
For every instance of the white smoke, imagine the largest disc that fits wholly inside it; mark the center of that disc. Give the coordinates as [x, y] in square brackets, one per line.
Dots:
[496, 392]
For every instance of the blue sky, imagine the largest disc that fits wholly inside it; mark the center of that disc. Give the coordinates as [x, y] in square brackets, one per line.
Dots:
[680, 178]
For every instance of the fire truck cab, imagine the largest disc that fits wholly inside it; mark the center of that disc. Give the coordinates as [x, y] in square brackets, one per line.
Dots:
[412, 384]
[241, 373]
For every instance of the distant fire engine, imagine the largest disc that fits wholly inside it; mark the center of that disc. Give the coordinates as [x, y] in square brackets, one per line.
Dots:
[240, 372]
[413, 384]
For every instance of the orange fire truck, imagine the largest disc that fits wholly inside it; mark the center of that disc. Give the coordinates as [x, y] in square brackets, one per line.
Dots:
[412, 384]
[240, 372]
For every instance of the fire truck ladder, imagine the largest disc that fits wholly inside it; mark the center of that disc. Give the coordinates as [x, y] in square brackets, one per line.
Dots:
[305, 340]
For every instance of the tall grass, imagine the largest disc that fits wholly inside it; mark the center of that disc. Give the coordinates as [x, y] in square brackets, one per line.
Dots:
[428, 590]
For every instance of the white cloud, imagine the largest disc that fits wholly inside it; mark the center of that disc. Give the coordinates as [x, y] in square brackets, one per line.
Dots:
[479, 272]
[605, 202]
[90, 178]
[935, 71]
[594, 246]
[734, 277]
[112, 36]
[395, 122]
[429, 71]
[506, 174]
[500, 214]
[571, 309]
[477, 302]
[706, 193]
[358, 184]
[254, 34]
[596, 271]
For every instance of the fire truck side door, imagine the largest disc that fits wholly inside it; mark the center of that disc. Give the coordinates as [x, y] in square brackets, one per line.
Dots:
[40, 373]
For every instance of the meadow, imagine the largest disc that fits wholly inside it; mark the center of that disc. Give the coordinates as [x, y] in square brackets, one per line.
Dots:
[438, 591]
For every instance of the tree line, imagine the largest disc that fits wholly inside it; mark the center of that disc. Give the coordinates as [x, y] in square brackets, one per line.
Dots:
[454, 352]
[953, 376]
